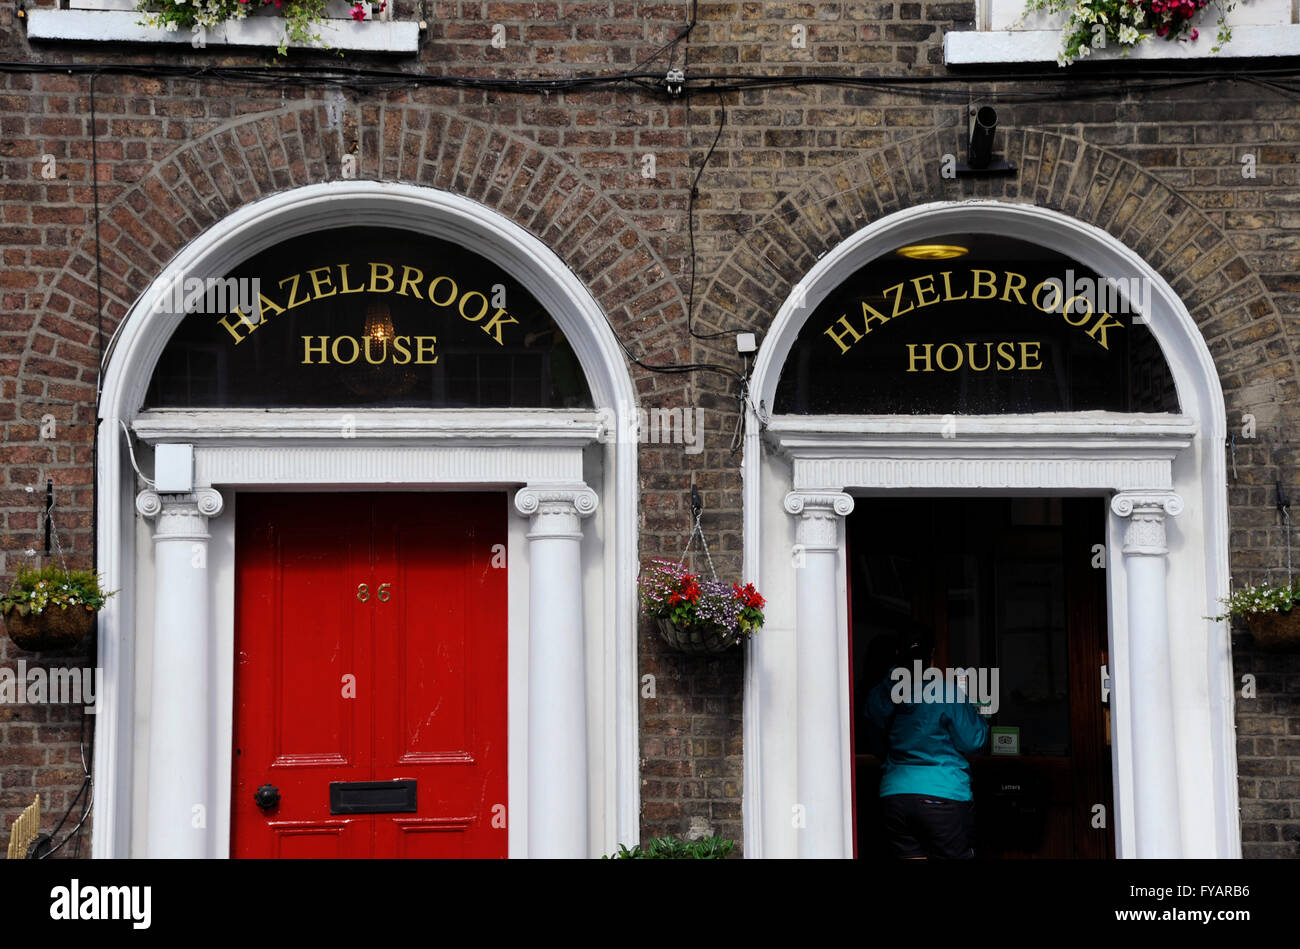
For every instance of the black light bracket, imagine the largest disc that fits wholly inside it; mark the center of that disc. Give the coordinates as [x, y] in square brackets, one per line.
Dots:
[697, 506]
[980, 161]
[1283, 502]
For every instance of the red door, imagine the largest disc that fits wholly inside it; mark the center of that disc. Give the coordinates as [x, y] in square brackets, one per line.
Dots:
[370, 678]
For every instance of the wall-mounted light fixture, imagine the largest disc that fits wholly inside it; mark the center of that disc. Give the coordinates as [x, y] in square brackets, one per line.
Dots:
[980, 160]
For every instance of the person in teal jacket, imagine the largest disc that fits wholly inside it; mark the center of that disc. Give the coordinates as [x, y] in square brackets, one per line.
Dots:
[925, 787]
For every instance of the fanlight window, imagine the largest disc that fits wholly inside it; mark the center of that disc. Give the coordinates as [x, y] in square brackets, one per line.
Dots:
[365, 317]
[977, 324]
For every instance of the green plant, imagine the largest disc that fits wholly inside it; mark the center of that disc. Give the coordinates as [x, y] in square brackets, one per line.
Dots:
[301, 17]
[1261, 598]
[1096, 24]
[36, 590]
[674, 848]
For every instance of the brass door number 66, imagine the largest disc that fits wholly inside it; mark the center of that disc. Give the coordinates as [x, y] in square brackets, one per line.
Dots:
[382, 594]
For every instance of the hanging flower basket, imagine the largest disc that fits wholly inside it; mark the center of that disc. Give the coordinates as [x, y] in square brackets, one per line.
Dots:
[697, 616]
[1278, 630]
[54, 628]
[696, 640]
[1270, 612]
[51, 608]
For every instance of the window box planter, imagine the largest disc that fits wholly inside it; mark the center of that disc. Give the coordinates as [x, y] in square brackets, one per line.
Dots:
[118, 21]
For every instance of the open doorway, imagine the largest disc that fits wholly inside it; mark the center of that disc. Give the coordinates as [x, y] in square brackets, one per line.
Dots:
[1014, 586]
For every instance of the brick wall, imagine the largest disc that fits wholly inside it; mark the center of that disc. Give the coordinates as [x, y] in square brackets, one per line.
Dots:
[795, 171]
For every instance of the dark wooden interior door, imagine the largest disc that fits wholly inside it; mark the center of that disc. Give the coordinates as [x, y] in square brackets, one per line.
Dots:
[370, 679]
[1014, 584]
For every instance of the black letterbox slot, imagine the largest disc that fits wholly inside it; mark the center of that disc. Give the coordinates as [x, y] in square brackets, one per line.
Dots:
[372, 797]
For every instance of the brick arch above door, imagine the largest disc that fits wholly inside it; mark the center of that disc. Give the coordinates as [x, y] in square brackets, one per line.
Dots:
[1239, 319]
[159, 210]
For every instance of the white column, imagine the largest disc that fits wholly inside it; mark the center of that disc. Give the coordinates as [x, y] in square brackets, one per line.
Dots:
[557, 682]
[180, 729]
[820, 719]
[1150, 691]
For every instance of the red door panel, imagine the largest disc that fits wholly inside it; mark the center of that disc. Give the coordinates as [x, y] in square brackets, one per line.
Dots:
[370, 646]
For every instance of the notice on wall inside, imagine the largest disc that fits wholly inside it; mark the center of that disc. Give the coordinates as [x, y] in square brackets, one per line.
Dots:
[1005, 740]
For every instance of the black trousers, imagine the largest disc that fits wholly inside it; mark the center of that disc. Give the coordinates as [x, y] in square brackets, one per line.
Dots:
[919, 825]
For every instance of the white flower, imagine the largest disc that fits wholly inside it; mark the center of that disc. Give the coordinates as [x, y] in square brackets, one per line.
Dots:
[173, 26]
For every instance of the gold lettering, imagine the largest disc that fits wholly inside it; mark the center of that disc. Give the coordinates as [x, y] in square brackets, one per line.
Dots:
[1102, 325]
[316, 282]
[920, 299]
[991, 284]
[848, 331]
[401, 348]
[307, 349]
[499, 319]
[343, 270]
[970, 356]
[230, 327]
[334, 350]
[423, 349]
[947, 288]
[407, 280]
[1025, 354]
[1056, 296]
[263, 304]
[898, 298]
[1009, 288]
[293, 301]
[481, 313]
[1006, 351]
[1069, 307]
[869, 313]
[375, 277]
[911, 357]
[433, 286]
[383, 353]
[938, 357]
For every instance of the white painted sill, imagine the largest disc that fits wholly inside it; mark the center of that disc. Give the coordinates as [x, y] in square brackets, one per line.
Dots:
[116, 21]
[976, 47]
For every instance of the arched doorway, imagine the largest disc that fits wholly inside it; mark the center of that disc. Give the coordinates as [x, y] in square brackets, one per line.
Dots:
[164, 744]
[1160, 473]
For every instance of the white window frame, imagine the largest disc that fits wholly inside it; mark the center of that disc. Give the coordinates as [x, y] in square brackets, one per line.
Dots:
[118, 21]
[1261, 28]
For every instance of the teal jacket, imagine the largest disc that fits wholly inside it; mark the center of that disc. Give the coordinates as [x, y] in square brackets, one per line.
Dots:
[927, 744]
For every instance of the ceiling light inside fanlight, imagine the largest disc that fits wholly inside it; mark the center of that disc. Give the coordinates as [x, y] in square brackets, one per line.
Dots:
[379, 323]
[933, 251]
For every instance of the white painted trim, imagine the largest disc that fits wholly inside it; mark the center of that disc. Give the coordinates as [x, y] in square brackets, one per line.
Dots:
[123, 26]
[396, 448]
[1087, 453]
[974, 47]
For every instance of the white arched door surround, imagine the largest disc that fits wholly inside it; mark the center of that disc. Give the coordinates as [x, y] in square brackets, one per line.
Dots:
[558, 467]
[1174, 752]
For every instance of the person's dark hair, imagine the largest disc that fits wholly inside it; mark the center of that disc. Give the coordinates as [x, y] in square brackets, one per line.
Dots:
[915, 641]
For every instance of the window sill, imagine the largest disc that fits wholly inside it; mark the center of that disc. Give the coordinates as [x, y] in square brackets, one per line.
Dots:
[121, 26]
[977, 47]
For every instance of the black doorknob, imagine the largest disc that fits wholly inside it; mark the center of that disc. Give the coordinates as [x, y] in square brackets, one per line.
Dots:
[267, 797]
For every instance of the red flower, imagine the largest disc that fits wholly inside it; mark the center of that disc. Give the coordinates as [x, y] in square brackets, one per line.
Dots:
[358, 12]
[748, 595]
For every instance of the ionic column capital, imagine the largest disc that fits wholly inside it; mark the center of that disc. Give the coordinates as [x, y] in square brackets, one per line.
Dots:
[819, 513]
[556, 510]
[180, 516]
[1145, 510]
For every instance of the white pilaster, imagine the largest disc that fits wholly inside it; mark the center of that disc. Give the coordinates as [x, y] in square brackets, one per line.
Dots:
[557, 708]
[180, 734]
[821, 757]
[1155, 766]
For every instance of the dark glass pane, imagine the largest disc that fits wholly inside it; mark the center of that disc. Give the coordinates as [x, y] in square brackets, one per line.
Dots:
[1007, 327]
[368, 317]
